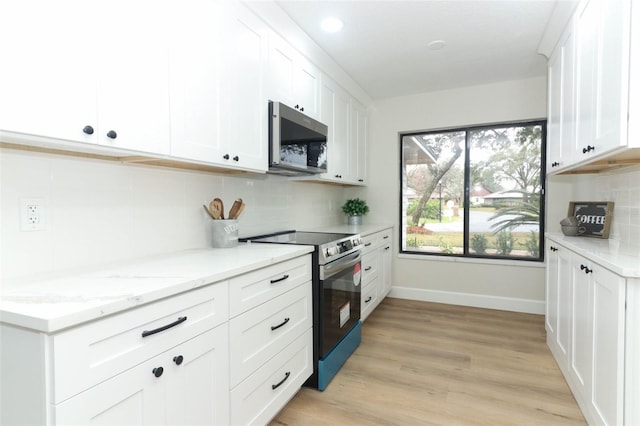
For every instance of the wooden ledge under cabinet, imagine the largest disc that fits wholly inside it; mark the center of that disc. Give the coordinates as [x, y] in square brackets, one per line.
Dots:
[626, 158]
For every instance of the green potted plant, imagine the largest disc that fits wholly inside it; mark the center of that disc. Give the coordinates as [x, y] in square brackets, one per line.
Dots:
[355, 208]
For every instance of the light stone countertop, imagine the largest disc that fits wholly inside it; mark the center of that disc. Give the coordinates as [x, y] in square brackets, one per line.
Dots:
[364, 229]
[52, 304]
[621, 259]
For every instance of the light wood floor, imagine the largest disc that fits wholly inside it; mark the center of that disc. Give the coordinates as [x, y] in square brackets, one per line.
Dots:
[433, 364]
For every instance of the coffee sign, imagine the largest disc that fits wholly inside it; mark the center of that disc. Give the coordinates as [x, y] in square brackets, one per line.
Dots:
[594, 217]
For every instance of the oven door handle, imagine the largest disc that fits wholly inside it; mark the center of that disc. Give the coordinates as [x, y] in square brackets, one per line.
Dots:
[337, 266]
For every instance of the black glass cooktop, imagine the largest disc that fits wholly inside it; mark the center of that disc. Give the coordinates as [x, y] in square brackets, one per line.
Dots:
[298, 237]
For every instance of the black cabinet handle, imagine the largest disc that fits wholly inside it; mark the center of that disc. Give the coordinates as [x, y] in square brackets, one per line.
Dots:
[88, 130]
[301, 108]
[368, 300]
[277, 280]
[275, 327]
[164, 327]
[277, 385]
[111, 134]
[555, 164]
[360, 180]
[178, 359]
[552, 248]
[338, 176]
[387, 248]
[297, 107]
[158, 371]
[226, 156]
[589, 148]
[236, 158]
[586, 269]
[368, 268]
[385, 237]
[367, 245]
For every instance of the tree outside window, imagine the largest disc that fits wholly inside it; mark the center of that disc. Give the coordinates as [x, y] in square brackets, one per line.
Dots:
[474, 192]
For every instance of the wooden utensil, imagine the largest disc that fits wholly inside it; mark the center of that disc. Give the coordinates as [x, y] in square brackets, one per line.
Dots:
[233, 212]
[208, 211]
[240, 209]
[217, 208]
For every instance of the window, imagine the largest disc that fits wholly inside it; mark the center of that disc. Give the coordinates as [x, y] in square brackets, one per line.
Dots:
[474, 192]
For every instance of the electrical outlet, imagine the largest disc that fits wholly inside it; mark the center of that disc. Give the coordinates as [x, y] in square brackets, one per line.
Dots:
[32, 214]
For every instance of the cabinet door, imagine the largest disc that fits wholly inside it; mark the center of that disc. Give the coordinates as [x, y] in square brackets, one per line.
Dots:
[580, 354]
[335, 112]
[608, 345]
[193, 74]
[602, 76]
[565, 296]
[385, 265]
[358, 143]
[133, 77]
[244, 115]
[306, 87]
[162, 390]
[551, 305]
[47, 77]
[197, 390]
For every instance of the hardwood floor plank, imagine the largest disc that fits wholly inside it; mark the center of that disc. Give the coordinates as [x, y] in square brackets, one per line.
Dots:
[425, 363]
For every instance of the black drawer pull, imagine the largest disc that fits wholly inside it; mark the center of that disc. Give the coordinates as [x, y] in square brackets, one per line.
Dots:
[387, 248]
[178, 359]
[368, 300]
[277, 280]
[275, 327]
[385, 237]
[277, 385]
[164, 327]
[367, 245]
[158, 371]
[368, 268]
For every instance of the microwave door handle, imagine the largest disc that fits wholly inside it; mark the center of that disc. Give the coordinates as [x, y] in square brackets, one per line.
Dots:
[337, 266]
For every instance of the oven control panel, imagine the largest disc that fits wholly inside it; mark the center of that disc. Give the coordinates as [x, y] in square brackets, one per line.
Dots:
[336, 249]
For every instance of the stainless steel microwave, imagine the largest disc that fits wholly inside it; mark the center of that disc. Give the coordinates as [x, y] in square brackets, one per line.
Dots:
[297, 143]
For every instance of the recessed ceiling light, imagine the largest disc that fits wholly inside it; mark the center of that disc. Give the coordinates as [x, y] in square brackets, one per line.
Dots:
[436, 45]
[331, 24]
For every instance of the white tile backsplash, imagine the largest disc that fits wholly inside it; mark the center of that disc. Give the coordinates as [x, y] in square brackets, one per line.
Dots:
[623, 188]
[100, 211]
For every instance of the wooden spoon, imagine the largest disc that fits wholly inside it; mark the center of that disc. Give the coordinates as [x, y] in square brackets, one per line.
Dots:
[217, 208]
[208, 211]
[233, 212]
[242, 206]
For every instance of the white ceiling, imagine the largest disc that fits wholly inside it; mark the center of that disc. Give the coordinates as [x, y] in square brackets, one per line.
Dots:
[384, 43]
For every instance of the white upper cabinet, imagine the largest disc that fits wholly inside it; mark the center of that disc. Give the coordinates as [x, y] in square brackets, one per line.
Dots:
[594, 127]
[244, 106]
[133, 78]
[47, 77]
[358, 143]
[194, 75]
[292, 79]
[336, 109]
[561, 117]
[97, 75]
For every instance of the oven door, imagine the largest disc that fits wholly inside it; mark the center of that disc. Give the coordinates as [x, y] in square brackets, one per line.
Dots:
[340, 310]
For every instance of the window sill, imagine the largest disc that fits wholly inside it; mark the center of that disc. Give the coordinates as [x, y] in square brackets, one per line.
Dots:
[500, 262]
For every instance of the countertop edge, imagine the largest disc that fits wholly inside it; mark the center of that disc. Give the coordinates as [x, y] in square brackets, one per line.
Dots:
[624, 261]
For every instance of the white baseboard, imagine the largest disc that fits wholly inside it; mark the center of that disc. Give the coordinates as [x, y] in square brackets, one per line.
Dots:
[528, 306]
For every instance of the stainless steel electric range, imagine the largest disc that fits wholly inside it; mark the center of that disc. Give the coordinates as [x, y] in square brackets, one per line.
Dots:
[336, 276]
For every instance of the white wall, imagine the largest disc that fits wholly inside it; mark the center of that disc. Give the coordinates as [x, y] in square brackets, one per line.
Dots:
[513, 286]
[99, 211]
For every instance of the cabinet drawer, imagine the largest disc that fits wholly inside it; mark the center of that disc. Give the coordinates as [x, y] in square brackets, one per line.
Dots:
[263, 394]
[369, 298]
[369, 268]
[259, 334]
[252, 289]
[91, 353]
[371, 242]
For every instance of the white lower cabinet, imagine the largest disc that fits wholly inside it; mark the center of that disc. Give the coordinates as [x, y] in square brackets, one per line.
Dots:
[176, 361]
[271, 339]
[585, 322]
[186, 385]
[376, 270]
